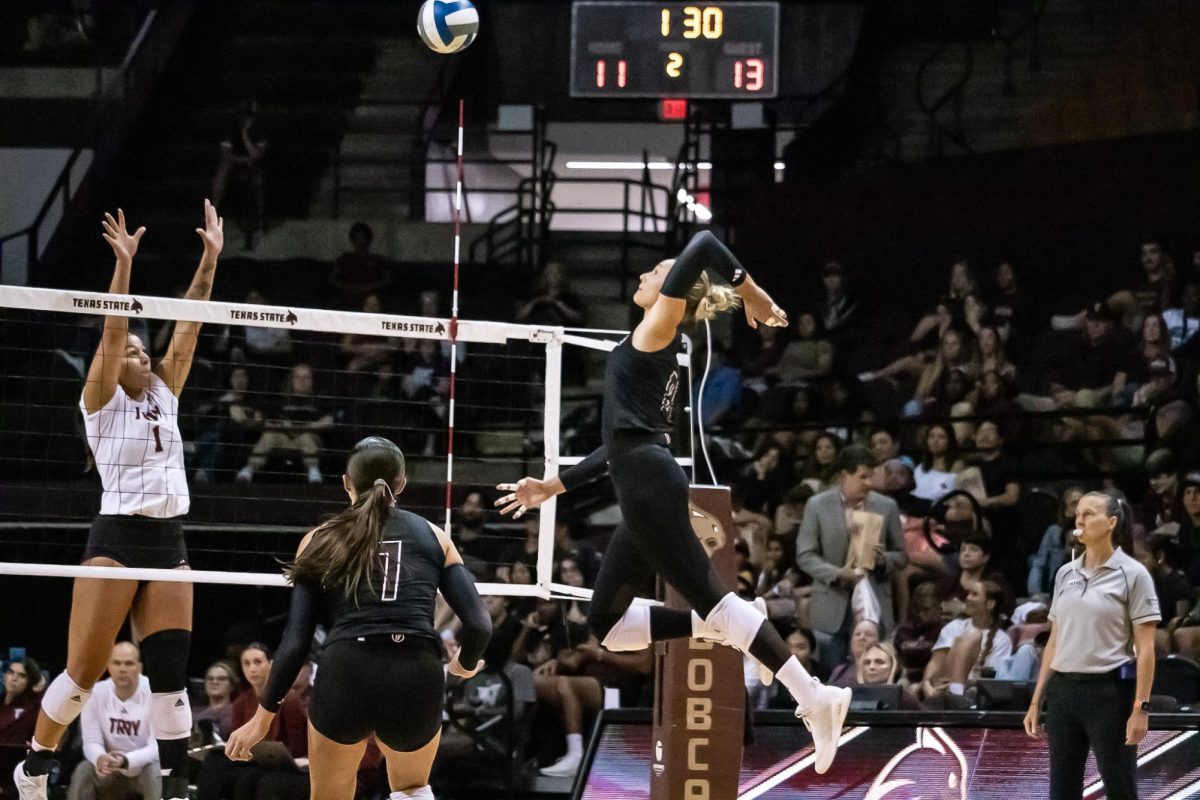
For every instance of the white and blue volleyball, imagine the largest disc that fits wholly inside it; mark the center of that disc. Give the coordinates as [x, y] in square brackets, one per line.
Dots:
[448, 26]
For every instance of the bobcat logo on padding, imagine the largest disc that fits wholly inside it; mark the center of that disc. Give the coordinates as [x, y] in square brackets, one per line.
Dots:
[291, 318]
[135, 306]
[933, 769]
[707, 528]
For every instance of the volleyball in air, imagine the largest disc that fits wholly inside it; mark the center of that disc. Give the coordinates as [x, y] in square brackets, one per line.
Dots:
[448, 26]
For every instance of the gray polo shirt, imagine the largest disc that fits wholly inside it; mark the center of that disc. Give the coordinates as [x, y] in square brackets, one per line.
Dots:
[1094, 612]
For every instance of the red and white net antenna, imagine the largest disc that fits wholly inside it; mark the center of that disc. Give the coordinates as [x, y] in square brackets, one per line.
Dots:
[458, 201]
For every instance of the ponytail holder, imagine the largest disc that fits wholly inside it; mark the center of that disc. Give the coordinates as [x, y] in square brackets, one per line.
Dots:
[388, 486]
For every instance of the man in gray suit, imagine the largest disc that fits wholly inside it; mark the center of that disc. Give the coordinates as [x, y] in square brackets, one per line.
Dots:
[821, 549]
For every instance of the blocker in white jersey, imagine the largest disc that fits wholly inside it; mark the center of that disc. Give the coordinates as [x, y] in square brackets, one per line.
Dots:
[139, 453]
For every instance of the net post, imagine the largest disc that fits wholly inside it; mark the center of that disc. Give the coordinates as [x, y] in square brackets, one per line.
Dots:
[551, 418]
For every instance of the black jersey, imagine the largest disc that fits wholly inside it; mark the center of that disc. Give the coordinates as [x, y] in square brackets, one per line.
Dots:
[401, 596]
[640, 389]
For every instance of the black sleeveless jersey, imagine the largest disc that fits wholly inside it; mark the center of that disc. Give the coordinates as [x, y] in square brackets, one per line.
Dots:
[402, 593]
[640, 390]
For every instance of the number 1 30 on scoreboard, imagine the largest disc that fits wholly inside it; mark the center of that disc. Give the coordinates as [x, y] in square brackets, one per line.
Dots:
[625, 48]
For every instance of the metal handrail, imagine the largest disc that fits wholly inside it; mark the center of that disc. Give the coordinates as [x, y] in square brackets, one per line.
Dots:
[115, 109]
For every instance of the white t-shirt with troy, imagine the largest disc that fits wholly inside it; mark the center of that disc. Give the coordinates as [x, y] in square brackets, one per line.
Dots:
[112, 725]
[139, 453]
[1001, 644]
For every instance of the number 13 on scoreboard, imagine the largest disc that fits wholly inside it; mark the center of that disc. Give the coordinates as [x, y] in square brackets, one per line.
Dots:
[748, 74]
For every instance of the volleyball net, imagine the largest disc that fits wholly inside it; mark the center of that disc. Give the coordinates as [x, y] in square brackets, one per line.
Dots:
[275, 399]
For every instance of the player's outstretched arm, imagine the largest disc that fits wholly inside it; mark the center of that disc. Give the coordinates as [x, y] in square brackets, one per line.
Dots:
[105, 370]
[177, 363]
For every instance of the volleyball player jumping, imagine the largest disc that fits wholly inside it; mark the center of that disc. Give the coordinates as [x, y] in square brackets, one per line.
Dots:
[130, 412]
[373, 572]
[655, 535]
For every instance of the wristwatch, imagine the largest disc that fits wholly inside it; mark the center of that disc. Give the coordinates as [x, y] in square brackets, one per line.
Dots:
[1144, 706]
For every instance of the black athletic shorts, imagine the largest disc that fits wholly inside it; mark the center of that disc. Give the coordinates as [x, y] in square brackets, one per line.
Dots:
[136, 541]
[395, 690]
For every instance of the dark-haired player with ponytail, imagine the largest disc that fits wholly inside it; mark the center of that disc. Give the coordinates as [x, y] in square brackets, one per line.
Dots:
[131, 414]
[655, 535]
[1098, 665]
[373, 573]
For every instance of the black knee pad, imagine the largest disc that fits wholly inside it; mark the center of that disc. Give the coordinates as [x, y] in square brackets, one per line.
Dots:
[164, 659]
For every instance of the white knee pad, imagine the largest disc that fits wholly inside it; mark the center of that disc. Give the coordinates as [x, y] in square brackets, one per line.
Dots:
[424, 793]
[732, 621]
[170, 715]
[64, 700]
[631, 633]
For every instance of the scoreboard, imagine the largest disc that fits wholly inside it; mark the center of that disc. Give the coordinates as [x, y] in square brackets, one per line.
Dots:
[625, 48]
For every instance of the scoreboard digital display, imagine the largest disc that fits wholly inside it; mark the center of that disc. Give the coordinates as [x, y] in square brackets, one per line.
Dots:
[693, 50]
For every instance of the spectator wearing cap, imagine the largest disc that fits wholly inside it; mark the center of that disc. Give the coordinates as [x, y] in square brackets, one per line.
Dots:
[1159, 382]
[1163, 504]
[1094, 365]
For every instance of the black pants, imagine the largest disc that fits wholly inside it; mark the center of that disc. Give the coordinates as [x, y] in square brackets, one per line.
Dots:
[1085, 712]
[655, 536]
[392, 689]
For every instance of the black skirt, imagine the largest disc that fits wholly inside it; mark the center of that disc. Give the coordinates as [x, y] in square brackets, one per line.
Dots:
[136, 541]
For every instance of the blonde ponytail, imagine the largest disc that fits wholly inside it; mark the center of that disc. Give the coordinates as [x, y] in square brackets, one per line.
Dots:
[707, 299]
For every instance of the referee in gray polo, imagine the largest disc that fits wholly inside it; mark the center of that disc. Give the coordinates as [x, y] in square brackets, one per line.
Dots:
[1097, 691]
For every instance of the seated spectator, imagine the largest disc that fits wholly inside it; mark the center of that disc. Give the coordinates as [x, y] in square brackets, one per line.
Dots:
[260, 345]
[866, 633]
[950, 308]
[480, 548]
[992, 354]
[1188, 535]
[1156, 290]
[953, 355]
[566, 546]
[553, 302]
[1176, 596]
[969, 645]
[366, 353]
[821, 467]
[1183, 320]
[18, 714]
[879, 666]
[235, 422]
[994, 481]
[722, 400]
[1014, 311]
[790, 513]
[923, 560]
[295, 425]
[760, 356]
[221, 686]
[916, 635]
[884, 444]
[525, 551]
[120, 756]
[1163, 504]
[808, 357]
[765, 478]
[802, 645]
[222, 779]
[974, 555]
[839, 309]
[780, 582]
[936, 473]
[358, 271]
[1055, 547]
[1092, 367]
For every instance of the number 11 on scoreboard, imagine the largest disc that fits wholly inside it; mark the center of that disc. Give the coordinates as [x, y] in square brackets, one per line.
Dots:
[602, 73]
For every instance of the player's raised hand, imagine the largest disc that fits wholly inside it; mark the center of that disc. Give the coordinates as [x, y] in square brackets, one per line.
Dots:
[123, 243]
[760, 308]
[213, 232]
[526, 494]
